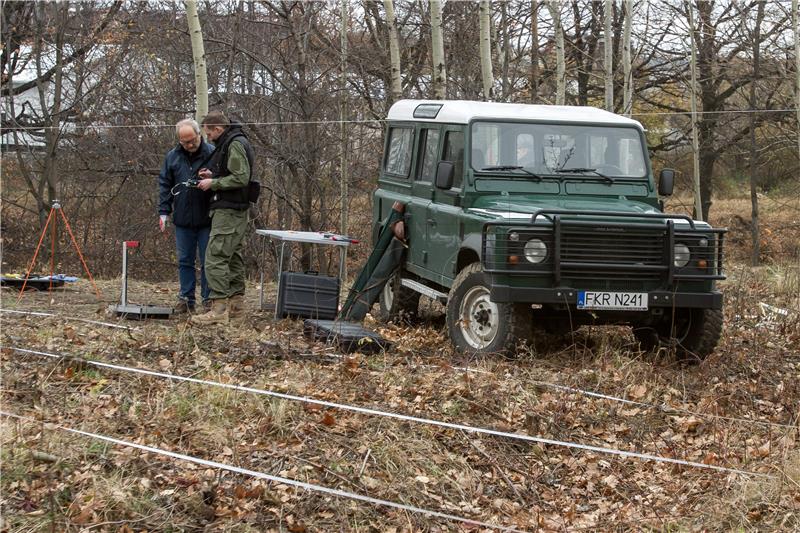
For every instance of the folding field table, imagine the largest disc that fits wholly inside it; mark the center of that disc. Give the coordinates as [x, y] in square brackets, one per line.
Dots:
[311, 237]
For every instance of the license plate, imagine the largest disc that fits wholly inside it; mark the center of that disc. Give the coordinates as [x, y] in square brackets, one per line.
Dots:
[613, 301]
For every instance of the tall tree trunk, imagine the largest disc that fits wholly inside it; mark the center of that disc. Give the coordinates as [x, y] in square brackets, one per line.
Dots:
[608, 66]
[627, 90]
[709, 166]
[199, 56]
[437, 44]
[51, 114]
[796, 32]
[343, 189]
[756, 35]
[394, 50]
[534, 78]
[506, 50]
[486, 49]
[561, 71]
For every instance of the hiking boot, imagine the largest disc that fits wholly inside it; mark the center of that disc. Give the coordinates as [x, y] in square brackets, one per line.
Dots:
[236, 306]
[217, 315]
[183, 307]
[207, 305]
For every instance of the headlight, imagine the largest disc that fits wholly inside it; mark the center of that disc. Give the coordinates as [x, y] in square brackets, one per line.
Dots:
[681, 254]
[535, 251]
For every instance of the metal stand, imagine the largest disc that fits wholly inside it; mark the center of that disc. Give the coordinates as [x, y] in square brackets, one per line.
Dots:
[311, 237]
[133, 311]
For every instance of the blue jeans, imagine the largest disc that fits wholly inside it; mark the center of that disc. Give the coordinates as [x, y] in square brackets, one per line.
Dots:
[189, 242]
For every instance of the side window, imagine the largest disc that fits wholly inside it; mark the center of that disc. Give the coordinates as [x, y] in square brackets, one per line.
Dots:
[398, 155]
[454, 151]
[429, 146]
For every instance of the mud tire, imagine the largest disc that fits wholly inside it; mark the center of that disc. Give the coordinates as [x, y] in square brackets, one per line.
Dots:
[478, 326]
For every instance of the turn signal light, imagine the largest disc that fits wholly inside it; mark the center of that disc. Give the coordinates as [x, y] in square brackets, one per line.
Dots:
[702, 264]
[513, 259]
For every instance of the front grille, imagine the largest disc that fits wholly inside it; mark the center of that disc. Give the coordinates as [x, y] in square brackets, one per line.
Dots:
[601, 253]
[612, 252]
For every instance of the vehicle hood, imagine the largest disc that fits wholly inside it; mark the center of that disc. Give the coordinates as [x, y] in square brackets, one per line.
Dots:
[522, 207]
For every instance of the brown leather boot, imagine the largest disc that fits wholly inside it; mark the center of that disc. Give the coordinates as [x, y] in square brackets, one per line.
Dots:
[217, 315]
[236, 306]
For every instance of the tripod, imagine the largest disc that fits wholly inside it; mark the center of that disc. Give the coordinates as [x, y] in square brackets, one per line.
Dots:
[52, 217]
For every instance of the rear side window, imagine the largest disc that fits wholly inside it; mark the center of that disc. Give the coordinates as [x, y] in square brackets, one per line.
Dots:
[398, 156]
[454, 152]
[430, 155]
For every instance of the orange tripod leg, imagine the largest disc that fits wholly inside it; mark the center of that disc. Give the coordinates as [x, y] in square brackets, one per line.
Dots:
[35, 255]
[78, 249]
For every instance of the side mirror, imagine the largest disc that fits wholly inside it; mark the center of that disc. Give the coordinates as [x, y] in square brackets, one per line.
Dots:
[666, 182]
[445, 171]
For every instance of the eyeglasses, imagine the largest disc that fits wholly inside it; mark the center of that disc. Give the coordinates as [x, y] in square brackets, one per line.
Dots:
[190, 142]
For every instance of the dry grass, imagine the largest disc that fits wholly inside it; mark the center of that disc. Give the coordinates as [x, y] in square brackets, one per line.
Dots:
[754, 375]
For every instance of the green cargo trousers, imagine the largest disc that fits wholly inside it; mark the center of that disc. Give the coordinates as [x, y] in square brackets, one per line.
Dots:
[224, 264]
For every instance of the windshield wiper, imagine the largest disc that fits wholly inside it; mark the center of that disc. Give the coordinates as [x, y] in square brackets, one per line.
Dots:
[582, 170]
[506, 168]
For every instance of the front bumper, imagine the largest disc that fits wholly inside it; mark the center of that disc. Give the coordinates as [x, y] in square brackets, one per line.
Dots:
[568, 296]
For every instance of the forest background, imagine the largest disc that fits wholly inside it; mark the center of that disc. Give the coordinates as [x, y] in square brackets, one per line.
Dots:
[92, 90]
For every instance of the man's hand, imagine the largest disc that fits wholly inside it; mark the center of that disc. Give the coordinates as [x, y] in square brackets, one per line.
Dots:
[204, 173]
[162, 223]
[204, 184]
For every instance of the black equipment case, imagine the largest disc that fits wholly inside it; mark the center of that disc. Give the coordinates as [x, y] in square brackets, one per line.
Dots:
[308, 295]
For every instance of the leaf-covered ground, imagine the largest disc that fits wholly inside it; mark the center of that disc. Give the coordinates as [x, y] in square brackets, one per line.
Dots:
[738, 409]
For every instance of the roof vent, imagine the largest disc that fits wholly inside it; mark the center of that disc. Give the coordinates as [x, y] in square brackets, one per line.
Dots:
[427, 110]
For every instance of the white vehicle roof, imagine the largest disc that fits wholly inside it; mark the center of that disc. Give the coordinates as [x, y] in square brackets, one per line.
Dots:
[463, 111]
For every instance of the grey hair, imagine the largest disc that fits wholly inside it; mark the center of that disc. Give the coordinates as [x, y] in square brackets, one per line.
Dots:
[187, 122]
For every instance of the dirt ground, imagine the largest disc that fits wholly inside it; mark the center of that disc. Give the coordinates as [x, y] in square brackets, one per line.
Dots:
[738, 409]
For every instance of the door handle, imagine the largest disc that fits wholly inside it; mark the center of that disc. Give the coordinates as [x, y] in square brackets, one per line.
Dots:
[431, 222]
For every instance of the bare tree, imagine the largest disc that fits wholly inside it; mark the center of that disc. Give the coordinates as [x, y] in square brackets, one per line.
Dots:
[698, 210]
[608, 51]
[394, 50]
[554, 6]
[199, 56]
[437, 43]
[627, 91]
[755, 37]
[486, 49]
[796, 34]
[534, 72]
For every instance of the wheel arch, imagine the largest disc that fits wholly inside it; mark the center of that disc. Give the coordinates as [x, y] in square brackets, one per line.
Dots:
[466, 256]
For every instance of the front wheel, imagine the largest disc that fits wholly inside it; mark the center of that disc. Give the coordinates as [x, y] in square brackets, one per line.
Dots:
[478, 325]
[694, 333]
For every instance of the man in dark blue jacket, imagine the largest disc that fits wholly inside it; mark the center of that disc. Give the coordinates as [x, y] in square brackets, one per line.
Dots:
[189, 207]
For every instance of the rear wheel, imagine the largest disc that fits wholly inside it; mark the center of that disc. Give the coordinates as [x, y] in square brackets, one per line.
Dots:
[693, 333]
[478, 325]
[396, 301]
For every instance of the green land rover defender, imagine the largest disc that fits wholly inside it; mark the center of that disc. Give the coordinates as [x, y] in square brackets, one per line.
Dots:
[526, 220]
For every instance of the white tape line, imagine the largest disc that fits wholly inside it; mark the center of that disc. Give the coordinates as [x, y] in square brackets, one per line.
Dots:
[38, 313]
[406, 418]
[276, 479]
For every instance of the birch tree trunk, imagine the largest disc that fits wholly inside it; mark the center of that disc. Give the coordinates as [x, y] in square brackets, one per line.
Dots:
[698, 208]
[796, 32]
[199, 56]
[756, 37]
[534, 79]
[627, 84]
[554, 6]
[486, 49]
[394, 50]
[437, 44]
[608, 48]
[506, 49]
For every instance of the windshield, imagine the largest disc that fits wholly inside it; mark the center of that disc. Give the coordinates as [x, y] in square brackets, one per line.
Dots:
[557, 148]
